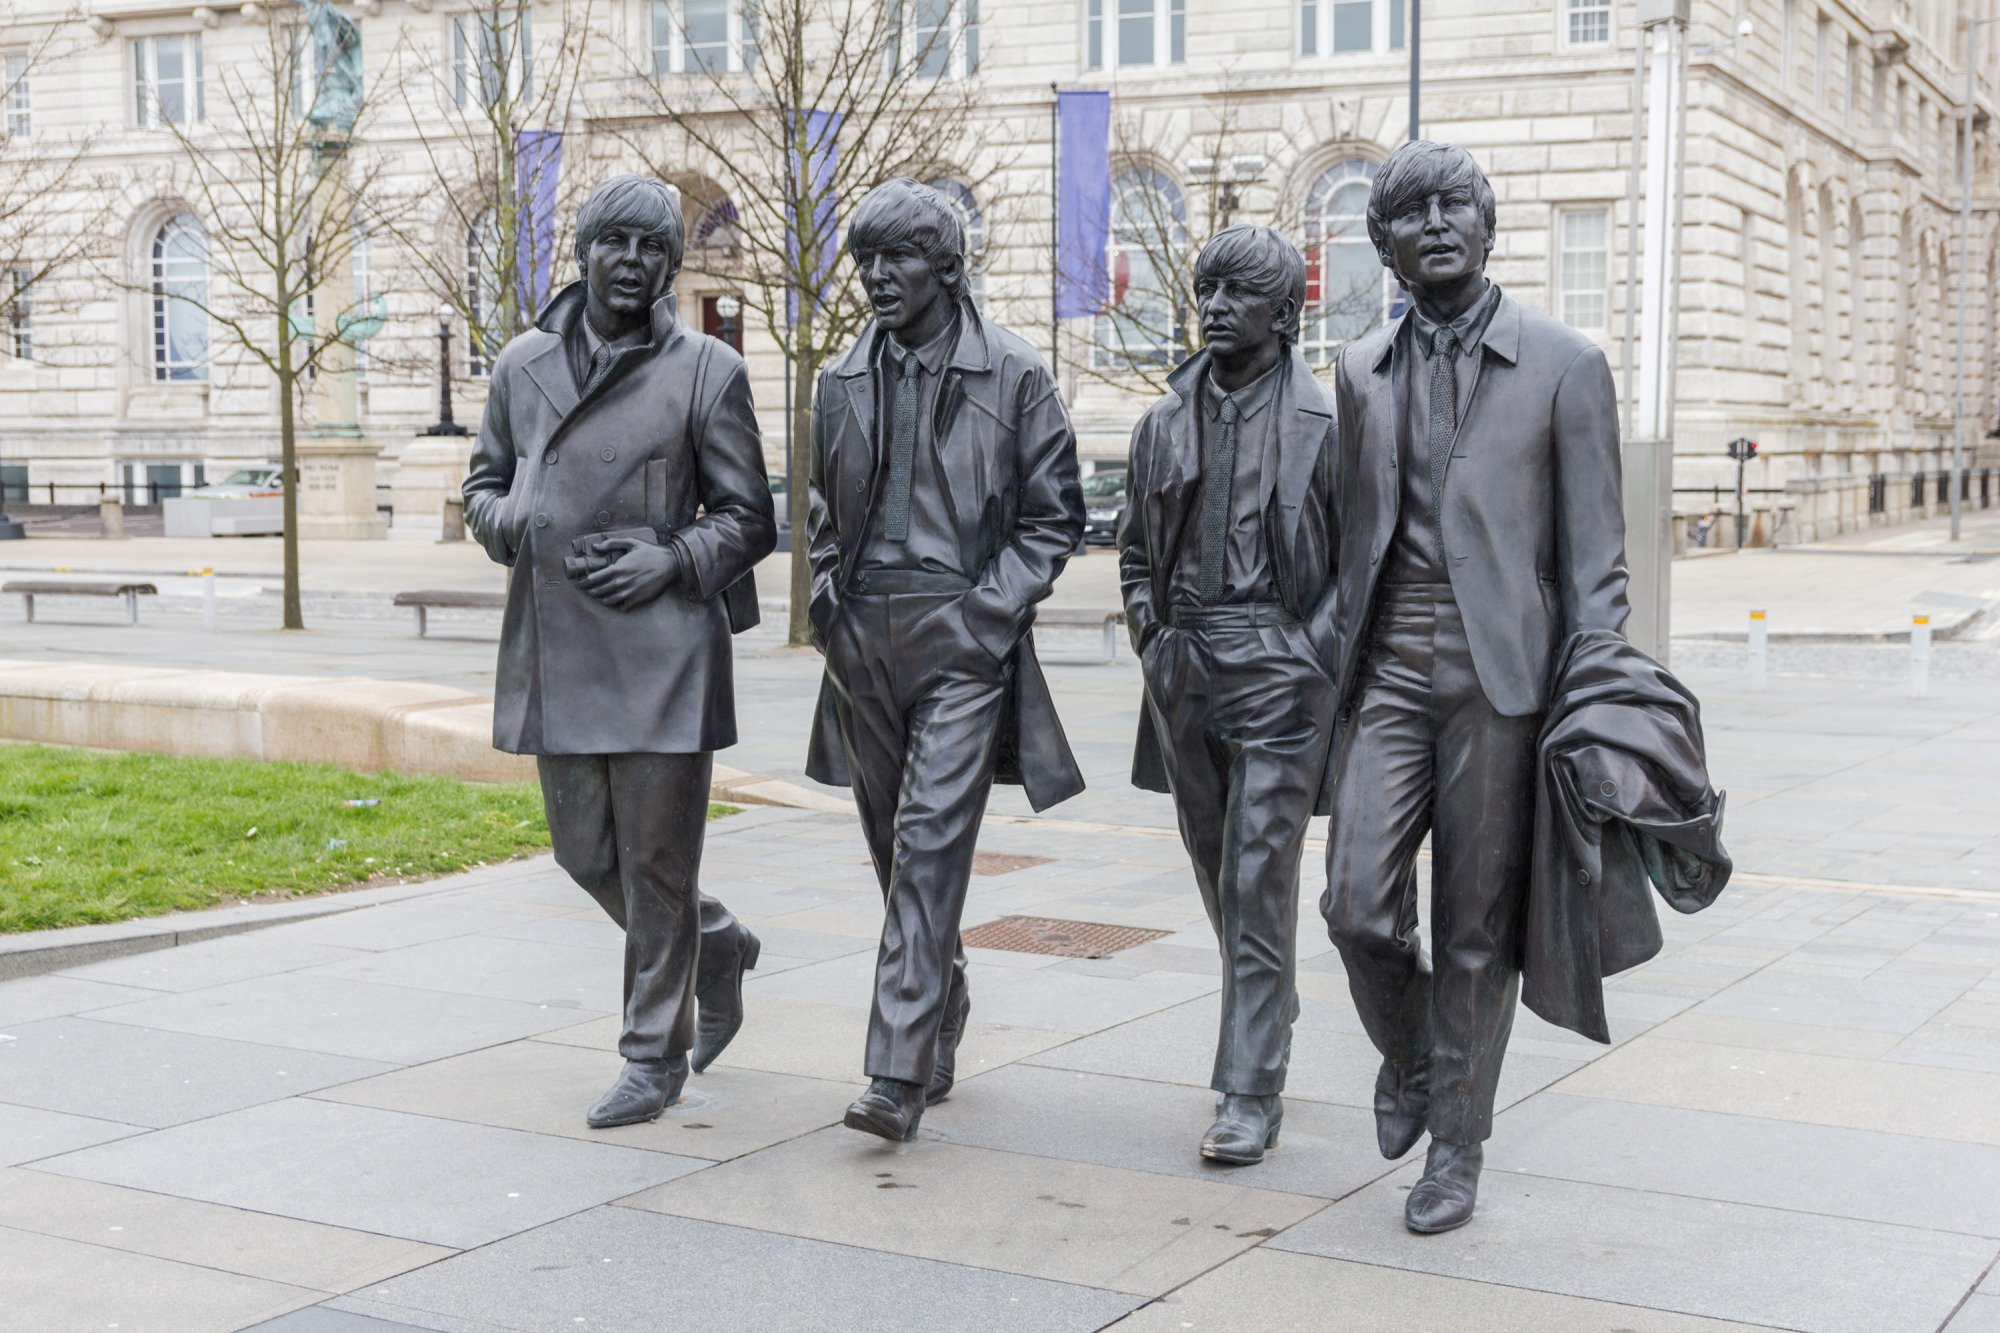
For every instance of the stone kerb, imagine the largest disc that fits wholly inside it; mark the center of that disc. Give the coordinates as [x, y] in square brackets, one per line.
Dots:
[354, 722]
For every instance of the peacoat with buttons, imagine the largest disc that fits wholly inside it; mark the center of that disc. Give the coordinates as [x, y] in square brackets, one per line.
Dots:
[664, 447]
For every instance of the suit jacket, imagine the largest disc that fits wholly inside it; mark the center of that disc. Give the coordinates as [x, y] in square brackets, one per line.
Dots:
[1008, 459]
[1622, 799]
[1533, 516]
[576, 676]
[1298, 507]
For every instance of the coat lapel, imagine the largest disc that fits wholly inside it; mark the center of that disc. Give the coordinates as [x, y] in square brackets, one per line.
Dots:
[1301, 434]
[549, 369]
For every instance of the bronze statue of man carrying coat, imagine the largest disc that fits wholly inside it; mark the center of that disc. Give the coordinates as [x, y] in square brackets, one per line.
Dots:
[620, 475]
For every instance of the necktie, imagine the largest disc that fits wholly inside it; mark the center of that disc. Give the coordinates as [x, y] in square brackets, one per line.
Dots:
[600, 366]
[902, 454]
[1218, 478]
[1444, 420]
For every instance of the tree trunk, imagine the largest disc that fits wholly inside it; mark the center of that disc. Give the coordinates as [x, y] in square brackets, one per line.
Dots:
[805, 374]
[288, 457]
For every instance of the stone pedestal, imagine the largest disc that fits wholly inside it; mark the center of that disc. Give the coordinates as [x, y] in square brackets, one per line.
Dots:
[430, 470]
[337, 487]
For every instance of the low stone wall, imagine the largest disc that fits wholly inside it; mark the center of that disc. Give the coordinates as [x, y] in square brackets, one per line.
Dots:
[368, 725]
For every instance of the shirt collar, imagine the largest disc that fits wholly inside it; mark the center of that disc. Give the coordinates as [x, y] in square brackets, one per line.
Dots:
[931, 356]
[1250, 399]
[593, 340]
[1470, 327]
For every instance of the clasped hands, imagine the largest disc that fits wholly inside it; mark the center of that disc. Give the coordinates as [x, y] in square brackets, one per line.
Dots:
[636, 572]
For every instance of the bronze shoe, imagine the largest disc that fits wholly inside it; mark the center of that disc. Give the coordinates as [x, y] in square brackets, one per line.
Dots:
[1443, 1199]
[1247, 1126]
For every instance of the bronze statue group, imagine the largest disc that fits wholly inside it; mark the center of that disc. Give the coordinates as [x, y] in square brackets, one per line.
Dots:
[1397, 600]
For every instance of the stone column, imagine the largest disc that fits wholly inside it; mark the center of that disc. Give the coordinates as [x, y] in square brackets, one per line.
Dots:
[336, 461]
[430, 469]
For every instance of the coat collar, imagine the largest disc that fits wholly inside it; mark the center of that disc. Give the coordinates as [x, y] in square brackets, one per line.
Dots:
[972, 353]
[549, 367]
[1502, 336]
[565, 308]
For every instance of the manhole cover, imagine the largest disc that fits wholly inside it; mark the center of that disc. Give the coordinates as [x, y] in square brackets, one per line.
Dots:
[1003, 863]
[1067, 939]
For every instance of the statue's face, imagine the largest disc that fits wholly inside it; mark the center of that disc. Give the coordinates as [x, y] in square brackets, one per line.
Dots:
[1439, 239]
[901, 284]
[1236, 320]
[626, 269]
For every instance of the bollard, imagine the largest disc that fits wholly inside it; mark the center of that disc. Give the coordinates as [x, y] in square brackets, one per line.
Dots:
[453, 529]
[207, 598]
[111, 519]
[1920, 656]
[1759, 652]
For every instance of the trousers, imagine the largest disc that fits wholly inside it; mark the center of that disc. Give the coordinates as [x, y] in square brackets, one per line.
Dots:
[628, 828]
[1424, 751]
[919, 705]
[1243, 707]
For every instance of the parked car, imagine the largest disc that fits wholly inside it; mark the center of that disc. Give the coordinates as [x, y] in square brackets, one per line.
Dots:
[259, 481]
[1103, 507]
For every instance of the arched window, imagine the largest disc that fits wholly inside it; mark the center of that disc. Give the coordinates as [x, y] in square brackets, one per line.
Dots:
[180, 291]
[960, 198]
[717, 228]
[483, 276]
[1147, 320]
[1348, 291]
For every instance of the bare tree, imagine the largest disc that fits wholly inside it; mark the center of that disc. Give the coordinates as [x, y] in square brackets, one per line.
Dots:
[1147, 325]
[488, 223]
[55, 208]
[774, 131]
[277, 191]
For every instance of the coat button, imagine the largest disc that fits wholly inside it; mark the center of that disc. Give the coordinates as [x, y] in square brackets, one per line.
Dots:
[1374, 555]
[608, 455]
[541, 520]
[861, 583]
[551, 456]
[603, 518]
[860, 486]
[1607, 789]
[1583, 877]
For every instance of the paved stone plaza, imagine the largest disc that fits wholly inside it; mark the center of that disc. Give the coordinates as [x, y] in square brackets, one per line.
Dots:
[374, 1119]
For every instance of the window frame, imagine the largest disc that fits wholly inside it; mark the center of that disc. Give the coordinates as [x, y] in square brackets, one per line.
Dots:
[1101, 47]
[1559, 253]
[471, 59]
[742, 41]
[1569, 11]
[19, 109]
[962, 55]
[1388, 28]
[161, 302]
[146, 81]
[483, 280]
[1108, 351]
[21, 316]
[1315, 340]
[966, 204]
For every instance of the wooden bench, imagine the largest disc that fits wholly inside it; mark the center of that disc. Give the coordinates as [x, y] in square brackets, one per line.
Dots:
[29, 589]
[426, 600]
[1109, 621]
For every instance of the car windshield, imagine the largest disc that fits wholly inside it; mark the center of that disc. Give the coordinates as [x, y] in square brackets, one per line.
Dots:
[1104, 485]
[249, 476]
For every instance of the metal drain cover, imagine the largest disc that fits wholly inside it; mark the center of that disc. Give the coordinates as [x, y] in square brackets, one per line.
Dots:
[1004, 863]
[1067, 939]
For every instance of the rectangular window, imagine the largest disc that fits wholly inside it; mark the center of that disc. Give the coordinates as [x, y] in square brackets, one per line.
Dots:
[1822, 84]
[1344, 27]
[1093, 34]
[1143, 32]
[1177, 31]
[492, 52]
[167, 80]
[14, 482]
[1309, 28]
[1135, 32]
[21, 317]
[15, 70]
[1589, 22]
[706, 36]
[1396, 36]
[1353, 25]
[1583, 267]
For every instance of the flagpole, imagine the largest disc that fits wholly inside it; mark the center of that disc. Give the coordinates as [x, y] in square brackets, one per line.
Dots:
[1055, 241]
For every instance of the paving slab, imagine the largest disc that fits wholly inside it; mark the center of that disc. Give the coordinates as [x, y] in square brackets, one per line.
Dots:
[545, 1088]
[1963, 1105]
[26, 999]
[211, 962]
[81, 1066]
[50, 1283]
[392, 1024]
[261, 1245]
[1763, 1035]
[1979, 1314]
[1894, 1178]
[436, 1181]
[1325, 1151]
[27, 1133]
[326, 1319]
[540, 972]
[1271, 1290]
[1692, 1256]
[629, 1269]
[1098, 1226]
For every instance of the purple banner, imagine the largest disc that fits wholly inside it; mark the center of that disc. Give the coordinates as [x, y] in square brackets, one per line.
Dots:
[813, 170]
[537, 168]
[1083, 202]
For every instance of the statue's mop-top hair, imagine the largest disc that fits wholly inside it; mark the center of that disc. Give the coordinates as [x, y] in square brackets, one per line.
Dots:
[903, 212]
[642, 203]
[1415, 172]
[1260, 259]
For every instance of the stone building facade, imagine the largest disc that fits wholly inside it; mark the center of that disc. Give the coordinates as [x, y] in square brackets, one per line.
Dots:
[1821, 252]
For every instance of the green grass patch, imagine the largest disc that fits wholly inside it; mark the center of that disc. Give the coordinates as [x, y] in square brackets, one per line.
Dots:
[89, 837]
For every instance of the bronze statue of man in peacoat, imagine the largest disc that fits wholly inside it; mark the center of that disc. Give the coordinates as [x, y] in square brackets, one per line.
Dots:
[945, 501]
[620, 475]
[1226, 558]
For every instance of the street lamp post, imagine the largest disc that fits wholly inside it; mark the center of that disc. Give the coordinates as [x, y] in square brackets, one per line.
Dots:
[1964, 275]
[445, 425]
[729, 307]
